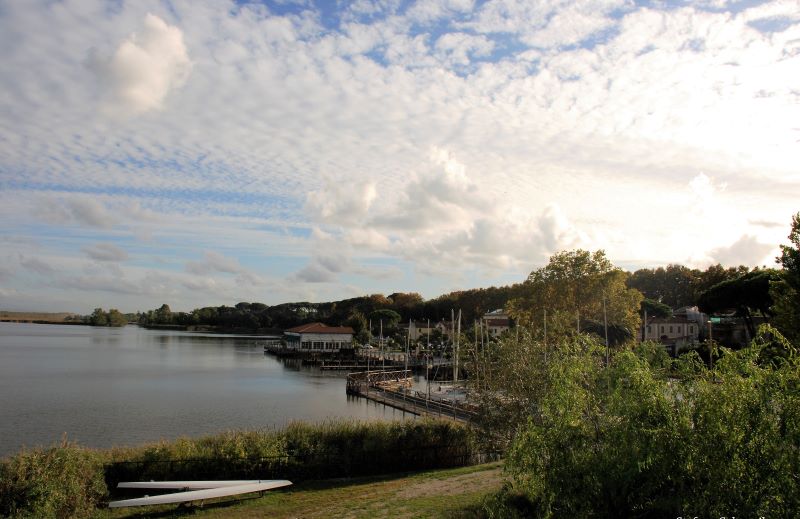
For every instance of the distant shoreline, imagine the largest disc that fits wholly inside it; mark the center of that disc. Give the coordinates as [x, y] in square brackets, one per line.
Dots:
[41, 321]
[267, 332]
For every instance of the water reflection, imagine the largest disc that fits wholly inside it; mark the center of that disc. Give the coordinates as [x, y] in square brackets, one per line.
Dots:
[126, 386]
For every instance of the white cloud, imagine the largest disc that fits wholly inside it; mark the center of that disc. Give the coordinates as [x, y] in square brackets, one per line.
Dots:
[341, 201]
[747, 250]
[214, 262]
[145, 67]
[386, 132]
[106, 252]
[74, 210]
[460, 48]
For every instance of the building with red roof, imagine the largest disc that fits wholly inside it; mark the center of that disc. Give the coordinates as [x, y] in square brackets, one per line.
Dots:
[318, 338]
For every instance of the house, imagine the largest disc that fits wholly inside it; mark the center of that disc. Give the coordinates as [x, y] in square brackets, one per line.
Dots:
[496, 322]
[692, 313]
[445, 328]
[675, 332]
[318, 338]
[417, 329]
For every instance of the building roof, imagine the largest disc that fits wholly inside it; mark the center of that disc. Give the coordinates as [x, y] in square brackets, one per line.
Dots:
[497, 322]
[670, 320]
[320, 328]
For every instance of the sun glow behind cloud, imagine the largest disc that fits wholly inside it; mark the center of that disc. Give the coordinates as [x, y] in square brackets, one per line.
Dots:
[209, 152]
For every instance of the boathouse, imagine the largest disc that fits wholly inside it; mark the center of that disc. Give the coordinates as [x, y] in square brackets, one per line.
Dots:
[319, 338]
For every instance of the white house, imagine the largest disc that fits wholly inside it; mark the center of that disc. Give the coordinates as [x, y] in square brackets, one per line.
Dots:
[676, 332]
[318, 337]
[496, 322]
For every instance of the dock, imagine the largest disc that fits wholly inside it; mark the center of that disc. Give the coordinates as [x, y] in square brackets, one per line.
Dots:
[391, 388]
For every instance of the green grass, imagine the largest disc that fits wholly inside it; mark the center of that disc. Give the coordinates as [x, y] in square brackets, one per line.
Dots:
[450, 493]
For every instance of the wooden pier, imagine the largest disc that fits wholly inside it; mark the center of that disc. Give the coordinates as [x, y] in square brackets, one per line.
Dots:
[391, 388]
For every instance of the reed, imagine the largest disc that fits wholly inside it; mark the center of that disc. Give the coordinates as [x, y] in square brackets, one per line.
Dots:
[70, 481]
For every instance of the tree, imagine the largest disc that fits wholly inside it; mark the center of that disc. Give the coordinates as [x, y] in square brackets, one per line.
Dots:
[575, 286]
[786, 290]
[745, 294]
[359, 324]
[163, 315]
[390, 319]
[655, 309]
[115, 318]
[98, 318]
[632, 440]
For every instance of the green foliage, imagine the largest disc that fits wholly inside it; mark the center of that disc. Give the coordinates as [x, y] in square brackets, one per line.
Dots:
[67, 481]
[575, 285]
[98, 318]
[389, 317]
[64, 481]
[646, 438]
[677, 286]
[111, 318]
[116, 319]
[301, 451]
[746, 294]
[786, 291]
[654, 309]
[360, 326]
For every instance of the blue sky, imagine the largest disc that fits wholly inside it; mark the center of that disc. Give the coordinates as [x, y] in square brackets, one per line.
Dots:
[208, 152]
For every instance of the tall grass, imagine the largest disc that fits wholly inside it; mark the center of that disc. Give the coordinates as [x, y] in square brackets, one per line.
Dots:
[69, 481]
[62, 481]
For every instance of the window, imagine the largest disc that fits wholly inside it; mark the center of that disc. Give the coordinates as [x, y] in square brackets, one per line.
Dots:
[670, 329]
[649, 329]
[662, 328]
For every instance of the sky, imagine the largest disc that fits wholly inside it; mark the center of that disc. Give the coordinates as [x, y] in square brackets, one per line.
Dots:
[208, 152]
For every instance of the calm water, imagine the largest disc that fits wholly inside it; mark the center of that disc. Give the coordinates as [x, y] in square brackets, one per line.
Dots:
[105, 387]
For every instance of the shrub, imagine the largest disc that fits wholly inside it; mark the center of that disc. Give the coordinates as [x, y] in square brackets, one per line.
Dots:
[634, 439]
[63, 481]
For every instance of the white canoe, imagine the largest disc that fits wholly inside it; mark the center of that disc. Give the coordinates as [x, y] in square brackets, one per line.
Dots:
[190, 485]
[199, 495]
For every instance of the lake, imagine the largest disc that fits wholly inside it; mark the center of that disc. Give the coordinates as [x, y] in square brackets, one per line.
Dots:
[126, 386]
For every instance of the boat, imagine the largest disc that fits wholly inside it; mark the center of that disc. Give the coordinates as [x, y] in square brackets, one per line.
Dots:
[199, 490]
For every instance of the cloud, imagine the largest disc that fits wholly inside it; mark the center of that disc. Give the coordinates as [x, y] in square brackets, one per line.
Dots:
[145, 67]
[747, 250]
[447, 137]
[214, 262]
[36, 265]
[106, 252]
[75, 210]
[460, 48]
[341, 201]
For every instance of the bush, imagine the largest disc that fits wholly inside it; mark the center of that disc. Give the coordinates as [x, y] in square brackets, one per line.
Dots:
[64, 481]
[637, 440]
[300, 452]
[68, 481]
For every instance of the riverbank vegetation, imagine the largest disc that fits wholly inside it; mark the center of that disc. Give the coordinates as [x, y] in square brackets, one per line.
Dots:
[597, 429]
[670, 285]
[71, 481]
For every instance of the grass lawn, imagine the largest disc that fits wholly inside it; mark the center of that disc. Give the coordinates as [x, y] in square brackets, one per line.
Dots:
[439, 493]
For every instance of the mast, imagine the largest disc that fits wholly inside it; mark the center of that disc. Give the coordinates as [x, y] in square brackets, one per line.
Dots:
[456, 345]
[428, 361]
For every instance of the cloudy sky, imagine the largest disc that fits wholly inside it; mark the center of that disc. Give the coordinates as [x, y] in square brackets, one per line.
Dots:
[207, 152]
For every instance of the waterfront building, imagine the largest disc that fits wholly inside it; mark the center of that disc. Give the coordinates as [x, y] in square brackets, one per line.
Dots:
[319, 338]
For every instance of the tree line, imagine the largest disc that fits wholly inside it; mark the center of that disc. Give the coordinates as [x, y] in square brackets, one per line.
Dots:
[742, 290]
